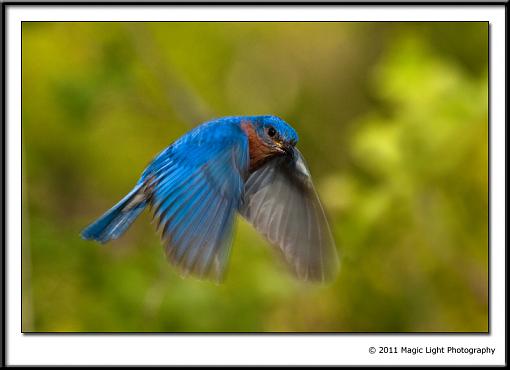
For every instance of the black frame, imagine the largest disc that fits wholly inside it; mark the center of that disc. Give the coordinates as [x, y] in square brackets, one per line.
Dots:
[5, 5]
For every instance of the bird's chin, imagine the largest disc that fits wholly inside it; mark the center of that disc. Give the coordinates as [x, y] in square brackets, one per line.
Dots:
[288, 151]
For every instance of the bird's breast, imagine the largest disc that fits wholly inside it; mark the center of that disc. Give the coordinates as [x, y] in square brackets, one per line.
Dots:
[259, 151]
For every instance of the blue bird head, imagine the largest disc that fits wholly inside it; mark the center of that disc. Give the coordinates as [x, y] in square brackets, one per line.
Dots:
[275, 132]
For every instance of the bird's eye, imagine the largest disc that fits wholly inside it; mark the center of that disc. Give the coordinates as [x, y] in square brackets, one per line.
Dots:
[271, 131]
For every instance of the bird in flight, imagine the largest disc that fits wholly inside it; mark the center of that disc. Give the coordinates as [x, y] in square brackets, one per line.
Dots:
[245, 164]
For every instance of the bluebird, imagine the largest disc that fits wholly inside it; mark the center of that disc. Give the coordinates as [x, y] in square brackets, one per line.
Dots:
[245, 164]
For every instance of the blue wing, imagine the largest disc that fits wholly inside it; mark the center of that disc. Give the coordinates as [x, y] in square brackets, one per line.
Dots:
[196, 188]
[282, 204]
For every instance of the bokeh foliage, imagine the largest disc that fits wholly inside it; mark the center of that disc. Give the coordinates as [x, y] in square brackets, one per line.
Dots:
[393, 121]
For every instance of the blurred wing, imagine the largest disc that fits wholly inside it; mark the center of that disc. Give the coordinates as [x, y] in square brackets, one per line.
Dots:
[282, 204]
[194, 194]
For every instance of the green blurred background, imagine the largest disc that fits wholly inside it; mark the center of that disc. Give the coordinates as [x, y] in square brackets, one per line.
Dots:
[393, 121]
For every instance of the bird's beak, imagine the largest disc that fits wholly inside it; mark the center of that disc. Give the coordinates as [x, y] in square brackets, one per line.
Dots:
[285, 148]
[281, 147]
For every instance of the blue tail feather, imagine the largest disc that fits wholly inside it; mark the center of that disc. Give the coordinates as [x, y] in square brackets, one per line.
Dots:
[116, 220]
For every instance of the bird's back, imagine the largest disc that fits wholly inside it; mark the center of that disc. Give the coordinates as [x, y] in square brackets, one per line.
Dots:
[201, 143]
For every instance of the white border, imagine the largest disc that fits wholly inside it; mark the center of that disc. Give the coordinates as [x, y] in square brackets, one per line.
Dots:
[248, 349]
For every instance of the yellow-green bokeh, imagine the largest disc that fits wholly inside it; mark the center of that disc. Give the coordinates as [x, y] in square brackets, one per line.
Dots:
[393, 121]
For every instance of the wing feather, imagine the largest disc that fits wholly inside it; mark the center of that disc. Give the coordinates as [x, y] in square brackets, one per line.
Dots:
[195, 195]
[282, 204]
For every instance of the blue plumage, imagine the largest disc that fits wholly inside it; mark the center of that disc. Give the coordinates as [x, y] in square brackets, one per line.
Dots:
[196, 186]
[115, 221]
